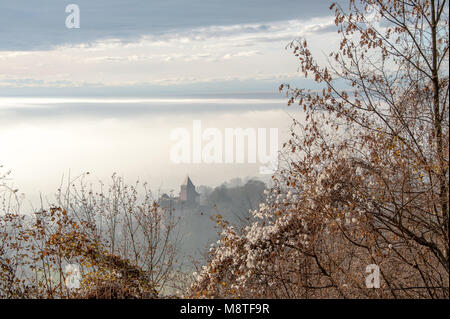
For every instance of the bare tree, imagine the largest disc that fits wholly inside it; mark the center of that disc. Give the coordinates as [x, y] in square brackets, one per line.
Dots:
[123, 243]
[129, 224]
[366, 174]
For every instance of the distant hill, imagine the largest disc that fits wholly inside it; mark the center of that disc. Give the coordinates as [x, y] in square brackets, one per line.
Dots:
[197, 227]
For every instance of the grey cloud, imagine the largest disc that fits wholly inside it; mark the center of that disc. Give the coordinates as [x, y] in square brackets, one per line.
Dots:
[32, 25]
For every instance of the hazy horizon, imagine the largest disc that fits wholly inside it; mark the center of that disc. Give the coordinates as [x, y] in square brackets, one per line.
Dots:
[105, 97]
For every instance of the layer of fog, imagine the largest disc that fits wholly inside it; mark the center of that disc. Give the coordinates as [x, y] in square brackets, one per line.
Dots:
[40, 150]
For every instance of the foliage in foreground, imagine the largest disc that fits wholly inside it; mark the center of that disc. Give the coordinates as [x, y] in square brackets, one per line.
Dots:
[366, 176]
[120, 242]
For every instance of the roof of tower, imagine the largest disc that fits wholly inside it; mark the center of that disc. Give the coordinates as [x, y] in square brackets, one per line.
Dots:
[188, 181]
[188, 184]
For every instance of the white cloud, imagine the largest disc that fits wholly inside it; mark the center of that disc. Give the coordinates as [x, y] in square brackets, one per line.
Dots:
[206, 54]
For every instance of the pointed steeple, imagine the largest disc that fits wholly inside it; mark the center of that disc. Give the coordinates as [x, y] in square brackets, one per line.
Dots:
[188, 192]
[188, 181]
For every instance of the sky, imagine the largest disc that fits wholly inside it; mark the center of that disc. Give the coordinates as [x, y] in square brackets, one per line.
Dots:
[105, 97]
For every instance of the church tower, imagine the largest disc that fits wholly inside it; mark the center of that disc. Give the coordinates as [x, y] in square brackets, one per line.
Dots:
[188, 194]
